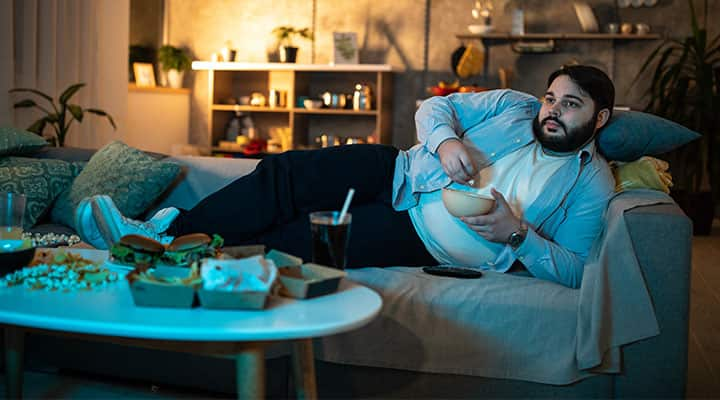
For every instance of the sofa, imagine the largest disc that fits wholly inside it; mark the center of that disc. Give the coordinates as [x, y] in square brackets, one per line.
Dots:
[504, 335]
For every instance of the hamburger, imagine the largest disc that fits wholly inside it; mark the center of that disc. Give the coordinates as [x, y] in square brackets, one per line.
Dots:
[186, 249]
[136, 250]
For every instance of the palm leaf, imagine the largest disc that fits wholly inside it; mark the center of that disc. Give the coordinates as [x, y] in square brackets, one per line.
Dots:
[38, 126]
[27, 103]
[69, 92]
[76, 111]
[37, 92]
[103, 114]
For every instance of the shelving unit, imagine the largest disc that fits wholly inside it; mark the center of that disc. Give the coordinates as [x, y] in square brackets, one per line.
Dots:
[501, 38]
[230, 80]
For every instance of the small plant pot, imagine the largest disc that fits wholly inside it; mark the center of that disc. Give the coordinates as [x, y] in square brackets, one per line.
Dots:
[288, 54]
[175, 78]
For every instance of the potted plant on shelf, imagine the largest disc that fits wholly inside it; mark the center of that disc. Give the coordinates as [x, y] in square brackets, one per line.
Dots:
[174, 62]
[685, 88]
[62, 115]
[285, 35]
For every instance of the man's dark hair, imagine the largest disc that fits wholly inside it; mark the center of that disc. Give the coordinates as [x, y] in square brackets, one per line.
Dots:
[592, 81]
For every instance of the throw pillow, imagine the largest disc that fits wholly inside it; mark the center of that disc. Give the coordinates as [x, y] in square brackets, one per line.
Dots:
[130, 177]
[17, 141]
[41, 181]
[632, 134]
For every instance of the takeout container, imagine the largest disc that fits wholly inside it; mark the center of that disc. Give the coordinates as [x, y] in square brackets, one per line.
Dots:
[309, 280]
[463, 203]
[160, 294]
[254, 275]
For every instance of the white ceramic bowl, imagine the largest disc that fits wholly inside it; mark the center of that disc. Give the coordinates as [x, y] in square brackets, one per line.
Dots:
[480, 29]
[312, 104]
[461, 203]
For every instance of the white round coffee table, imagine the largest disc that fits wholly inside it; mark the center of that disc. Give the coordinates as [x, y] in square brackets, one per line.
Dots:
[110, 315]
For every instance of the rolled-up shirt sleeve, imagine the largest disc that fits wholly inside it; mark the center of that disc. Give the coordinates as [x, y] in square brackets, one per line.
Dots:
[441, 118]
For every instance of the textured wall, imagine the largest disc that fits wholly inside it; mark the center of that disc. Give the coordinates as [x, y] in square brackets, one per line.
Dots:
[393, 32]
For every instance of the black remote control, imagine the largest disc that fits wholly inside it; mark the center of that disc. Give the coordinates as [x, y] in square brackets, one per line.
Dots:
[455, 272]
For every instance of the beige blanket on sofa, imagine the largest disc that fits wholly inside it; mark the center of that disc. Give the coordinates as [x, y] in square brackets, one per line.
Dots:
[505, 326]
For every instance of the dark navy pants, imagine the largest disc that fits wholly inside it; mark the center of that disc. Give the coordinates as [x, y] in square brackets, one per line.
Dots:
[270, 206]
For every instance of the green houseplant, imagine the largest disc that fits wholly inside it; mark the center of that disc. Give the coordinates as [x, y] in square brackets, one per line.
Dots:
[685, 88]
[174, 61]
[285, 34]
[61, 115]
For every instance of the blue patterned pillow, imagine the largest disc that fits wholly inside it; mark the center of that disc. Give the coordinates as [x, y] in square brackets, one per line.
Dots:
[41, 181]
[129, 176]
[15, 141]
[632, 134]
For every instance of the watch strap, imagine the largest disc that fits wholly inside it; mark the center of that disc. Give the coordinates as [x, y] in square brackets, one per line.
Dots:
[518, 237]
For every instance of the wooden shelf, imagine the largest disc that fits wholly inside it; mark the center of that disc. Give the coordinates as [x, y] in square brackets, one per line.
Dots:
[235, 107]
[331, 111]
[557, 36]
[232, 80]
[501, 38]
[247, 66]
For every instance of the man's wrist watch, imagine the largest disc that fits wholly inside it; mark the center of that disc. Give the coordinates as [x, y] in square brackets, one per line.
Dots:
[518, 237]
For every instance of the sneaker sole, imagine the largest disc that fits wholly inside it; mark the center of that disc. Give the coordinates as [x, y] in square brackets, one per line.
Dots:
[103, 217]
[78, 217]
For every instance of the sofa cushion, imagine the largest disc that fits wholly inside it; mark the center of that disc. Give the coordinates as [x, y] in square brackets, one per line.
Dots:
[130, 177]
[15, 141]
[632, 134]
[41, 181]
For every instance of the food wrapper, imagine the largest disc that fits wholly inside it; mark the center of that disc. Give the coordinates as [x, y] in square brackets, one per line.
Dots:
[643, 173]
[252, 274]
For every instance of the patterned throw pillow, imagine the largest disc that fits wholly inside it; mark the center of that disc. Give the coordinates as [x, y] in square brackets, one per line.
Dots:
[15, 141]
[41, 181]
[129, 176]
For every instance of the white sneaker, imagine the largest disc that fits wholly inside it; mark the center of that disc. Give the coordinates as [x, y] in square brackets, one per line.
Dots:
[111, 225]
[86, 226]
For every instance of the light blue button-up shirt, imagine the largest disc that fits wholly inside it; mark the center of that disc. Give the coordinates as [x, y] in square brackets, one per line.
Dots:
[563, 222]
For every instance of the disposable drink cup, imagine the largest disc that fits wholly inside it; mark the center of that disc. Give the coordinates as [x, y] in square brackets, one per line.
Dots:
[12, 211]
[330, 238]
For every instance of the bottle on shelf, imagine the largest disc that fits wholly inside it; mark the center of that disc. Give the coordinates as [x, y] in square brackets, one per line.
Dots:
[362, 97]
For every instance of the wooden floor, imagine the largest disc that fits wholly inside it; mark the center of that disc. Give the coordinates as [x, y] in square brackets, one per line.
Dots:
[704, 338]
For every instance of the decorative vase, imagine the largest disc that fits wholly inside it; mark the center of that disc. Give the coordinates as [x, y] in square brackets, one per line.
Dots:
[288, 54]
[175, 78]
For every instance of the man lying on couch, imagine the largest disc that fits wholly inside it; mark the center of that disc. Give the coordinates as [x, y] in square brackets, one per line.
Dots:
[539, 162]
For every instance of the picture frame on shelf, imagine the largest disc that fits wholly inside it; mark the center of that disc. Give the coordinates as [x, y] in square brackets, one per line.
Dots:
[144, 74]
[345, 48]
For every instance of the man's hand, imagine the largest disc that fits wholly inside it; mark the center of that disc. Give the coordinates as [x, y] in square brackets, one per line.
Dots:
[497, 225]
[456, 161]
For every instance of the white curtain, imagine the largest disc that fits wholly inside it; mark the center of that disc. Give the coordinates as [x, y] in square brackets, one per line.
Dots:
[51, 44]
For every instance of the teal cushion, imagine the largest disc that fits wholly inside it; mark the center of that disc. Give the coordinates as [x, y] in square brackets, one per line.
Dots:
[632, 134]
[15, 141]
[41, 181]
[130, 177]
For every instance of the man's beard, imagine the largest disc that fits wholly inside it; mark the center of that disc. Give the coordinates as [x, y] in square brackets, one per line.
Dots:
[571, 140]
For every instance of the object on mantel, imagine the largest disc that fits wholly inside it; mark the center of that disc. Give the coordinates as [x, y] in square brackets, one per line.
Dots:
[534, 47]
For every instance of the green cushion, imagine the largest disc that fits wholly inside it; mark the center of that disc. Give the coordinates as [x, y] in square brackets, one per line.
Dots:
[15, 141]
[133, 179]
[41, 181]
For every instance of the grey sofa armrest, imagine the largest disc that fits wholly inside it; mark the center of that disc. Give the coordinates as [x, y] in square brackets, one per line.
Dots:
[657, 367]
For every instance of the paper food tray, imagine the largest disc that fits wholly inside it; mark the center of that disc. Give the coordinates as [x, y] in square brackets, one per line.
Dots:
[309, 280]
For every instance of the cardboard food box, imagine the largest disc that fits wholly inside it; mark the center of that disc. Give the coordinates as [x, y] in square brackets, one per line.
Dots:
[236, 283]
[232, 300]
[244, 251]
[283, 259]
[162, 293]
[309, 280]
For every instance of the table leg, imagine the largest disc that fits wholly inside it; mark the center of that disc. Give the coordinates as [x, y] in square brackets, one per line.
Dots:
[14, 347]
[304, 369]
[250, 373]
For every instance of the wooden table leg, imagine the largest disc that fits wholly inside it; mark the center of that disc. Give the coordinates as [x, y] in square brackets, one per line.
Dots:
[304, 369]
[14, 348]
[250, 373]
